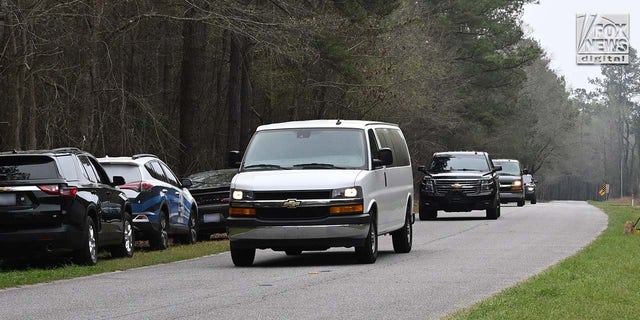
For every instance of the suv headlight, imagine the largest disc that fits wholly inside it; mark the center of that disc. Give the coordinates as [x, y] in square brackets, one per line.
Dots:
[427, 184]
[350, 192]
[241, 194]
[486, 185]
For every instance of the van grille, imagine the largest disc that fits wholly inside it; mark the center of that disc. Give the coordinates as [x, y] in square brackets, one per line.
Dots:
[284, 195]
[306, 213]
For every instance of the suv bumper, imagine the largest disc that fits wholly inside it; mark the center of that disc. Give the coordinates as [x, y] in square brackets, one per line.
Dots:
[213, 218]
[337, 231]
[458, 202]
[45, 240]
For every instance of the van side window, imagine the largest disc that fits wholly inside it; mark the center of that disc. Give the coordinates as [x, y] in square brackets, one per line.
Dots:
[386, 142]
[400, 149]
[373, 145]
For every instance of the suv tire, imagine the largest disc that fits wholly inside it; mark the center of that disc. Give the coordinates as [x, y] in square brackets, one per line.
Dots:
[534, 200]
[403, 237]
[427, 213]
[160, 241]
[494, 213]
[125, 248]
[88, 254]
[521, 203]
[192, 233]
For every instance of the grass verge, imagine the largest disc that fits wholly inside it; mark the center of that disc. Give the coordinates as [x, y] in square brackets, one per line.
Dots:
[54, 271]
[600, 282]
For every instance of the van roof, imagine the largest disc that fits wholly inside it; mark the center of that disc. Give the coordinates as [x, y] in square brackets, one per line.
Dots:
[354, 124]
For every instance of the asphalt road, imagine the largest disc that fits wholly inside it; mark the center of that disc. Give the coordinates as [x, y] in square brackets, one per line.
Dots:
[455, 261]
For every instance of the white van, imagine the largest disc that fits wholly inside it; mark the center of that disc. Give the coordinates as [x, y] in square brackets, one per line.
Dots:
[312, 185]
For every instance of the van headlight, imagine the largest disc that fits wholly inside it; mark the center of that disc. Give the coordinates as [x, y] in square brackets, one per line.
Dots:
[350, 192]
[241, 194]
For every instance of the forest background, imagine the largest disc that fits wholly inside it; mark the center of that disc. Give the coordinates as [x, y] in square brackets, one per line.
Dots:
[190, 80]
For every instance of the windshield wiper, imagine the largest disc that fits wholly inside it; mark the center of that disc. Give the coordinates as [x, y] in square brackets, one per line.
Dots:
[466, 169]
[315, 165]
[265, 166]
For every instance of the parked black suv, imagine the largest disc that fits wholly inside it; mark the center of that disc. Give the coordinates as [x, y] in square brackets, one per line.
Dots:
[459, 181]
[61, 201]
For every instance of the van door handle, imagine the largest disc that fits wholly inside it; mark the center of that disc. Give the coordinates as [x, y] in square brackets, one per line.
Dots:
[385, 178]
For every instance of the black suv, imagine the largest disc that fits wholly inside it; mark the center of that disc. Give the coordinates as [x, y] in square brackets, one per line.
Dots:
[459, 181]
[61, 201]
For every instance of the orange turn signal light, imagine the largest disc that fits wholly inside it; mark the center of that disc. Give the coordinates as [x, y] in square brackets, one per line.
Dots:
[242, 212]
[358, 208]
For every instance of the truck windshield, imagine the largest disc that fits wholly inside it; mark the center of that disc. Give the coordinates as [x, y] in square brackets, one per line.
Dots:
[319, 148]
[448, 163]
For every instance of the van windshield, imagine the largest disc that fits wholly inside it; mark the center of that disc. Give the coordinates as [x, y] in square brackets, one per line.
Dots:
[509, 168]
[321, 148]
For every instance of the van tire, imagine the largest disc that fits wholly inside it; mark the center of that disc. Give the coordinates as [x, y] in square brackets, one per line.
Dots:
[368, 253]
[242, 257]
[403, 237]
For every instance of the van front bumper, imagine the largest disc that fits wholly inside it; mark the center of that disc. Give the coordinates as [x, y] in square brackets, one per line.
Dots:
[335, 231]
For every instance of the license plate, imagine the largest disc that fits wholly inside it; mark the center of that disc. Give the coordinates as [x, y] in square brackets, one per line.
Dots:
[211, 217]
[8, 199]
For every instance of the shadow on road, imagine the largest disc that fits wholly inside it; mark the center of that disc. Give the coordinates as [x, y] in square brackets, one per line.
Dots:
[313, 259]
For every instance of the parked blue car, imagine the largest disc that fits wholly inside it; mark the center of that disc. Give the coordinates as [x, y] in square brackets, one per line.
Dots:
[162, 205]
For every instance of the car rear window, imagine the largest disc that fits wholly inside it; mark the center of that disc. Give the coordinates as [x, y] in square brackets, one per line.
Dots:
[27, 168]
[130, 173]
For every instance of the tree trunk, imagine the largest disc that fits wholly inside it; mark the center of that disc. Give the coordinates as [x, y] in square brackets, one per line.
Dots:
[191, 91]
[233, 93]
[246, 94]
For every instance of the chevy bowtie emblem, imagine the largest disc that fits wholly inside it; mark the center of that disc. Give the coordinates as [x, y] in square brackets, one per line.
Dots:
[3, 189]
[291, 203]
[456, 186]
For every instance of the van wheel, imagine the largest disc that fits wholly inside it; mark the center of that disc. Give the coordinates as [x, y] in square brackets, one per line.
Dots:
[160, 241]
[403, 237]
[88, 254]
[125, 248]
[368, 253]
[428, 213]
[242, 257]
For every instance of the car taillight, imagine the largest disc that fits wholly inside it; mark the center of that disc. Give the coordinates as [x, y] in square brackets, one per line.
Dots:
[62, 191]
[139, 186]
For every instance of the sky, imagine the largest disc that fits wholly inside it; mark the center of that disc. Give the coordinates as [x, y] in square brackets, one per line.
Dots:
[553, 24]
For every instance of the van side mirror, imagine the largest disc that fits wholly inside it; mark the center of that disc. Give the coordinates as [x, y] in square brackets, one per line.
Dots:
[118, 181]
[186, 183]
[383, 158]
[233, 161]
[497, 168]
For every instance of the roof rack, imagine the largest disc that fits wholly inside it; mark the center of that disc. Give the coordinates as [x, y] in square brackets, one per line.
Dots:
[137, 156]
[66, 149]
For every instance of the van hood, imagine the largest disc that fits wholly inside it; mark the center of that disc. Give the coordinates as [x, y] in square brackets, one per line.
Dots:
[307, 179]
[509, 179]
